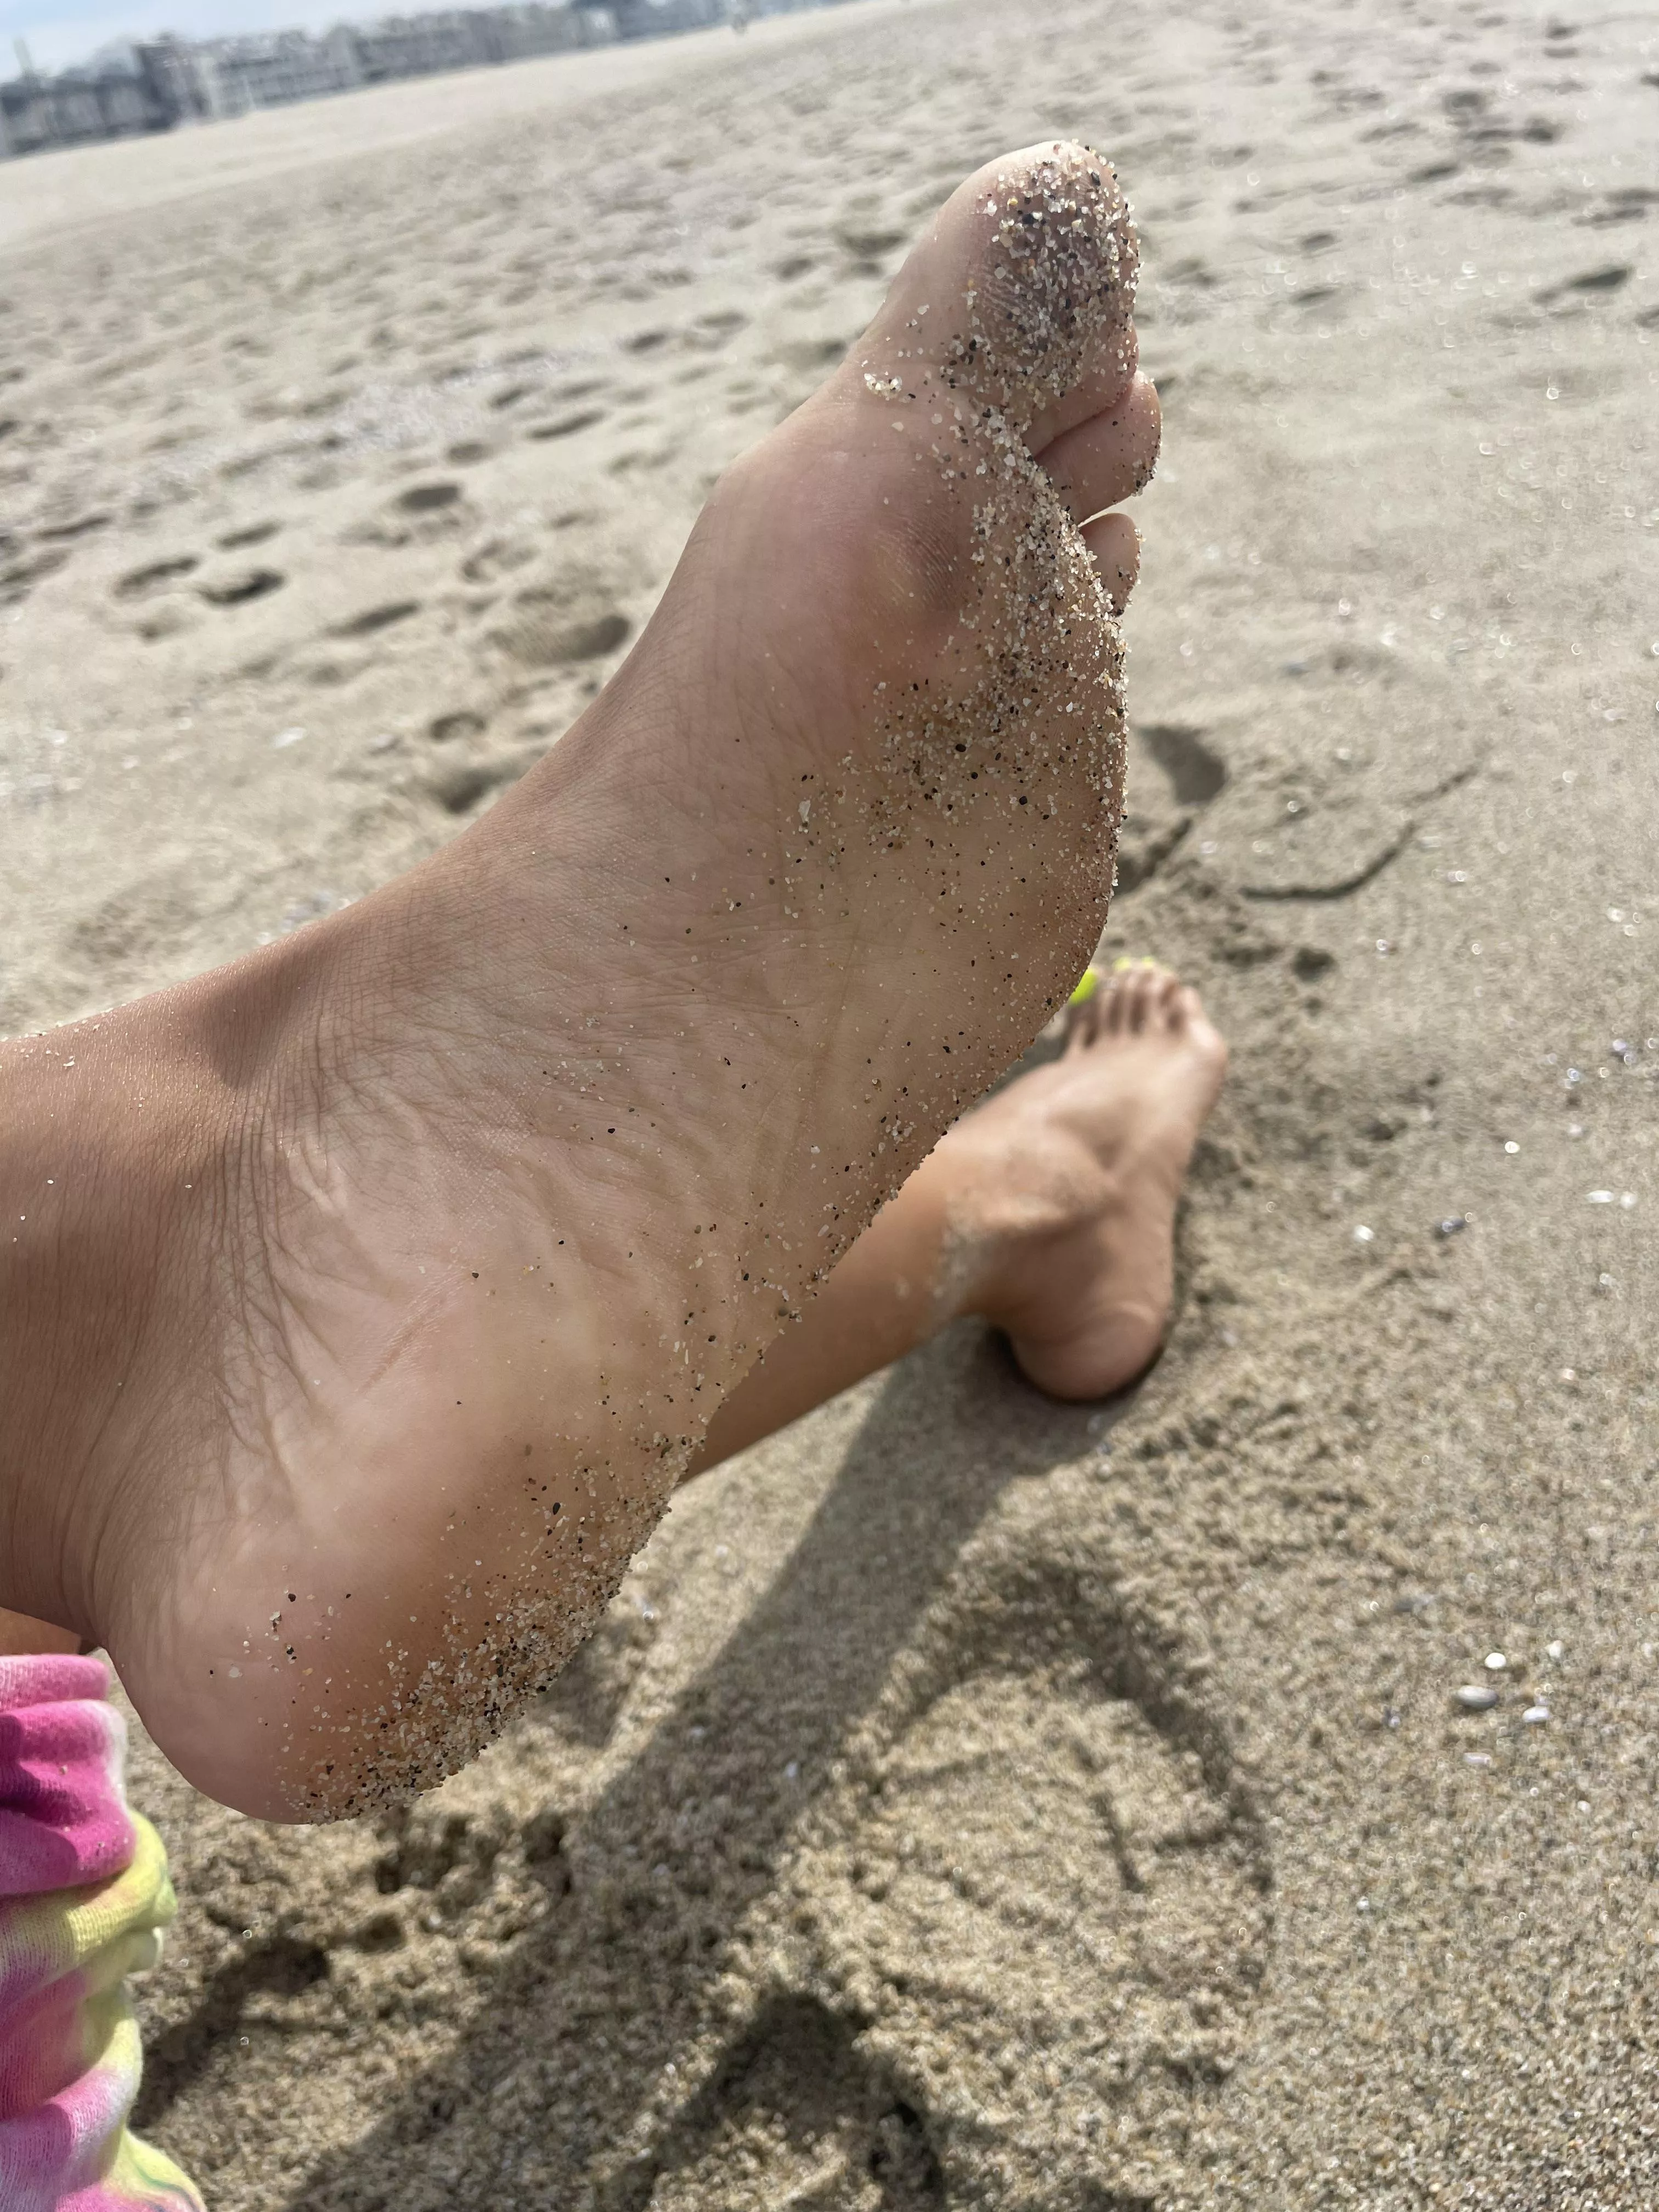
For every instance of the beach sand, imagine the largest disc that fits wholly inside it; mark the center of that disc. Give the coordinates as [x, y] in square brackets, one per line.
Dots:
[970, 1800]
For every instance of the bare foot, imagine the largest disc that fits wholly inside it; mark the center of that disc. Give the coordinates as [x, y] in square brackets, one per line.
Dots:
[365, 1298]
[1062, 1188]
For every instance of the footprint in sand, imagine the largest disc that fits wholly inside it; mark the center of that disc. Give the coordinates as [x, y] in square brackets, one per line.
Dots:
[715, 329]
[1173, 773]
[155, 576]
[870, 248]
[373, 620]
[448, 1853]
[459, 785]
[253, 533]
[450, 728]
[420, 511]
[1195, 770]
[497, 557]
[77, 526]
[1588, 285]
[560, 623]
[813, 356]
[1627, 204]
[143, 923]
[567, 425]
[797, 2115]
[1040, 1903]
[19, 577]
[238, 586]
[1322, 832]
[428, 499]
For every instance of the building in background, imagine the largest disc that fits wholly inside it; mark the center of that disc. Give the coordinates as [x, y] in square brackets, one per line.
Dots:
[229, 77]
[111, 99]
[655, 19]
[471, 38]
[206, 79]
[164, 81]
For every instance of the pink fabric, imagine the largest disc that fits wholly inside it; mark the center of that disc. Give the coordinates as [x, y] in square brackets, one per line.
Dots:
[64, 1820]
[84, 1896]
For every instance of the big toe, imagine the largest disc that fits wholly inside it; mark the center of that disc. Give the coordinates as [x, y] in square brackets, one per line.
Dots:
[1020, 297]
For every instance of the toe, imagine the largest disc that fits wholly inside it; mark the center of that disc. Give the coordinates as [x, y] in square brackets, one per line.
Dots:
[1021, 295]
[1182, 1006]
[1186, 1022]
[1083, 1013]
[1114, 545]
[1109, 457]
[1152, 987]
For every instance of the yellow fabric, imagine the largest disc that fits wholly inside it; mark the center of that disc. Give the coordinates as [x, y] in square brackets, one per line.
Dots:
[105, 1932]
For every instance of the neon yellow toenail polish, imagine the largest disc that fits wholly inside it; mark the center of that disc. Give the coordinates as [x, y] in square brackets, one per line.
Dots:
[1086, 989]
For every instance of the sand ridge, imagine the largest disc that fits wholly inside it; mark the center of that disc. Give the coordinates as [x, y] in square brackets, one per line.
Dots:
[970, 1800]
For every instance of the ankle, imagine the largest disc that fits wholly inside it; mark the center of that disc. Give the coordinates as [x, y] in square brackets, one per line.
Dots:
[1013, 1193]
[107, 1153]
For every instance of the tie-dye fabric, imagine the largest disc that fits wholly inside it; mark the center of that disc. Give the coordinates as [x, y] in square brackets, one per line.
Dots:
[84, 1896]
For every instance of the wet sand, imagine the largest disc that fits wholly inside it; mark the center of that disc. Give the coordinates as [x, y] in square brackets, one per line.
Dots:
[970, 1800]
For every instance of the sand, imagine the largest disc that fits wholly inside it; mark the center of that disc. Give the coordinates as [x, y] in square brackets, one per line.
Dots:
[970, 1800]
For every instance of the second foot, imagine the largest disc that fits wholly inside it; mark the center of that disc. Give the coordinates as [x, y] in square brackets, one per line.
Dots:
[1059, 1193]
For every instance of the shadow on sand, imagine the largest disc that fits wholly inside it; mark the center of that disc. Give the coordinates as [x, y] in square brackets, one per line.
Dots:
[615, 1984]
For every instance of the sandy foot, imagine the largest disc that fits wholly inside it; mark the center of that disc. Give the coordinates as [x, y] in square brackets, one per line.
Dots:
[1064, 1185]
[446, 1226]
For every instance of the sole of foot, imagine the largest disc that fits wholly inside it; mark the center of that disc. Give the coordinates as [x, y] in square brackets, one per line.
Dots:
[382, 1283]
